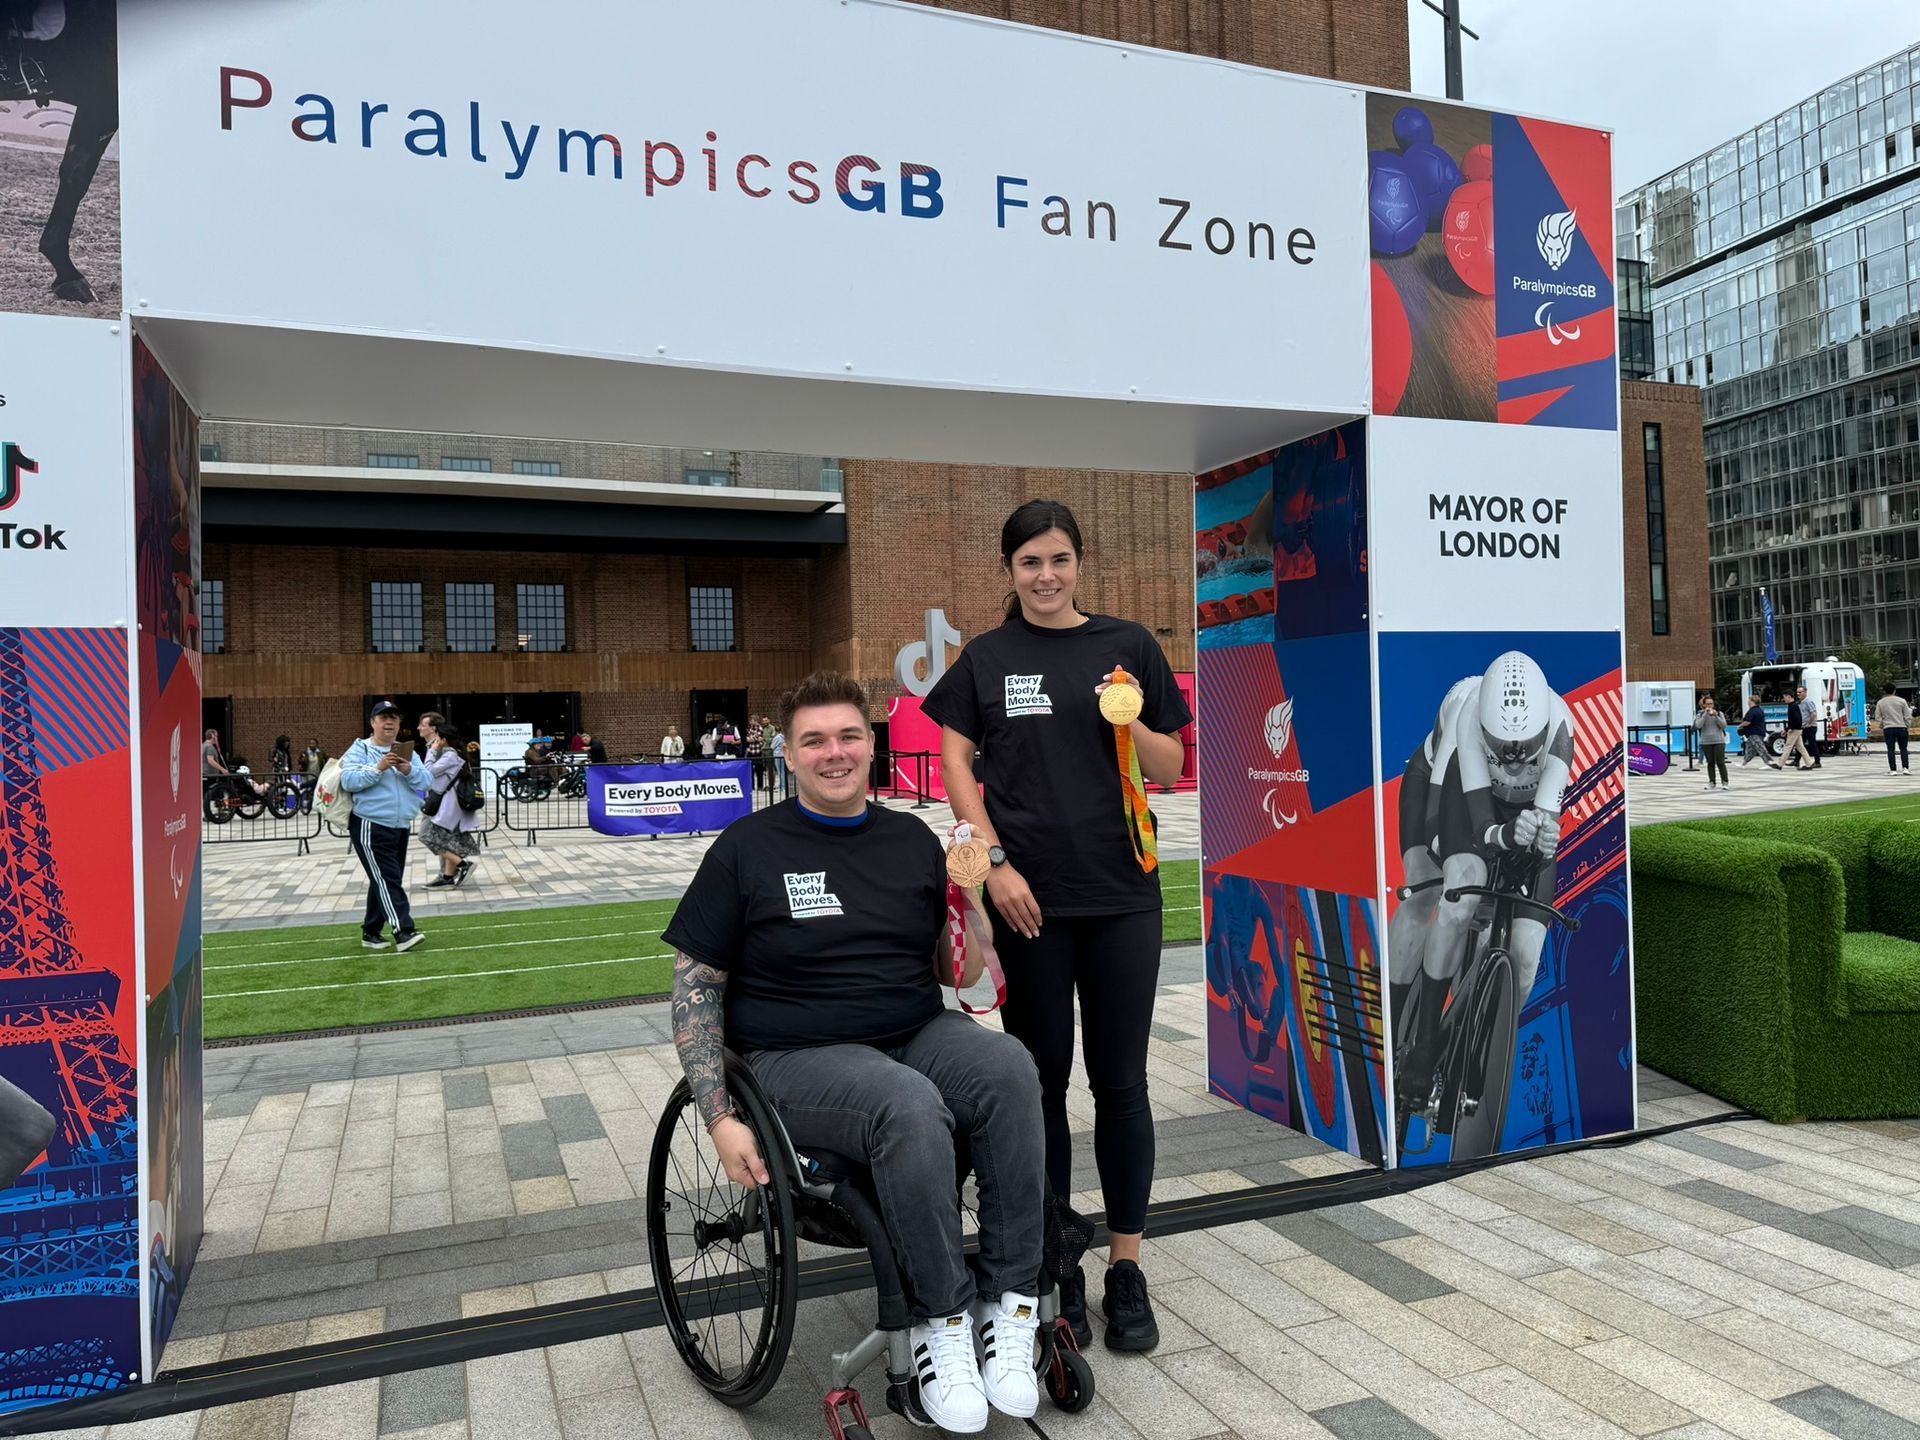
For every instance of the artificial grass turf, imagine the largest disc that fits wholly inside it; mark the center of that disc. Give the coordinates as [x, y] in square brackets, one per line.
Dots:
[1773, 954]
[275, 982]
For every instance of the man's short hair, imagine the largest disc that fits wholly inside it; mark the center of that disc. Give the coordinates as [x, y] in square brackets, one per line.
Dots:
[823, 687]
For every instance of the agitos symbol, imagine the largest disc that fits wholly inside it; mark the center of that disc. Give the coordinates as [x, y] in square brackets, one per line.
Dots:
[13, 464]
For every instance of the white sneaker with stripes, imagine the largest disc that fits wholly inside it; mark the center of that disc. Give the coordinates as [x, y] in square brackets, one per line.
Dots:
[949, 1376]
[1007, 1327]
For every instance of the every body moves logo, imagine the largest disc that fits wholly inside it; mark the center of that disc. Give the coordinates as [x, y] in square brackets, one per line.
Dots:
[1025, 697]
[808, 896]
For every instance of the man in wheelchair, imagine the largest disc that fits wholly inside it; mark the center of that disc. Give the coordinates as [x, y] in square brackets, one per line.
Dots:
[812, 941]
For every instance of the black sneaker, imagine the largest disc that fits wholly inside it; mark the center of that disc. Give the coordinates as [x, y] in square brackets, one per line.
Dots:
[437, 882]
[460, 875]
[1073, 1305]
[1130, 1322]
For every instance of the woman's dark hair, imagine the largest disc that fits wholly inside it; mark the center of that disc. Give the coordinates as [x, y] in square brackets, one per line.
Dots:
[1034, 518]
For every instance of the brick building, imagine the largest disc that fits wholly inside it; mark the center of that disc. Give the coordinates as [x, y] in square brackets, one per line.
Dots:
[1663, 464]
[619, 588]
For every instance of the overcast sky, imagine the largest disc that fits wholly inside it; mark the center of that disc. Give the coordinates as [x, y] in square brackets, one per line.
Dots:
[1671, 78]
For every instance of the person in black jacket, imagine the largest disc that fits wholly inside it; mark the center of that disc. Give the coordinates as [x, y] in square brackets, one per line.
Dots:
[1802, 731]
[1753, 735]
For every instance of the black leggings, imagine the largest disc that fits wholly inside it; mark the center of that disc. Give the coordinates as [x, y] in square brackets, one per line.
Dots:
[1114, 963]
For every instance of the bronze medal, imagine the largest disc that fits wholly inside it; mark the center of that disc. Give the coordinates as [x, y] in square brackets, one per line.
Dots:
[968, 863]
[1120, 702]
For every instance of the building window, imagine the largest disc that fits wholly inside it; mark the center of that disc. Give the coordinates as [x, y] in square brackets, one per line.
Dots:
[386, 460]
[712, 608]
[1656, 528]
[210, 450]
[466, 462]
[470, 617]
[396, 617]
[536, 467]
[543, 617]
[213, 617]
[709, 477]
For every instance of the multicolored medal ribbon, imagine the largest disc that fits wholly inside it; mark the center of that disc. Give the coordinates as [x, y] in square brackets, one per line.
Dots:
[1120, 705]
[968, 865]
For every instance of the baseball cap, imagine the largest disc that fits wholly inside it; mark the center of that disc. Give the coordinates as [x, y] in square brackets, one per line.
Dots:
[384, 707]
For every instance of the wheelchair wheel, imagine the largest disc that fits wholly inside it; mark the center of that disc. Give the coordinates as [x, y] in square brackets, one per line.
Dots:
[725, 1260]
[1481, 1110]
[1069, 1380]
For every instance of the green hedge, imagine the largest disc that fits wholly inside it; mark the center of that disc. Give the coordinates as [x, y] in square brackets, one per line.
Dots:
[1741, 985]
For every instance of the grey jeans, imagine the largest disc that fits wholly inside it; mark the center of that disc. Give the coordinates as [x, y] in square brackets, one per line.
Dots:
[899, 1110]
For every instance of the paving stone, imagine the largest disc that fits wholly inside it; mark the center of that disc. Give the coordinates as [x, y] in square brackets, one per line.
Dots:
[530, 1151]
[509, 1398]
[1385, 1272]
[414, 1399]
[573, 1117]
[1370, 1419]
[466, 1091]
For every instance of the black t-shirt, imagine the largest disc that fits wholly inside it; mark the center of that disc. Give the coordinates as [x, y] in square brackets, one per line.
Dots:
[827, 933]
[1025, 696]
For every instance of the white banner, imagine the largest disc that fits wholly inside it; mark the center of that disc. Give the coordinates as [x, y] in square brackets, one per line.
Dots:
[1493, 527]
[65, 499]
[801, 187]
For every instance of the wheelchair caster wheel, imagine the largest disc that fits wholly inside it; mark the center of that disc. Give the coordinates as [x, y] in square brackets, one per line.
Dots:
[1069, 1381]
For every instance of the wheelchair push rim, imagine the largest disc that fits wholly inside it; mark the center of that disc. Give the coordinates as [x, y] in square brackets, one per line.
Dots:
[724, 1259]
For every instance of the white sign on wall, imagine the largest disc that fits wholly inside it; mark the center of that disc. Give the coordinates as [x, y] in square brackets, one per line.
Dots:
[65, 505]
[1485, 527]
[501, 748]
[876, 192]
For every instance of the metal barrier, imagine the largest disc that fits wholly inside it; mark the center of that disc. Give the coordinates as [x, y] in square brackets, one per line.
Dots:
[883, 777]
[244, 809]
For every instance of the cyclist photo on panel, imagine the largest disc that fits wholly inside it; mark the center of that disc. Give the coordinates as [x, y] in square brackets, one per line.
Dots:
[1479, 808]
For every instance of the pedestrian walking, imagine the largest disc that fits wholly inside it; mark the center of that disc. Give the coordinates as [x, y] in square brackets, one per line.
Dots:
[446, 829]
[757, 751]
[1896, 719]
[673, 747]
[387, 788]
[1712, 728]
[1799, 722]
[710, 738]
[1753, 736]
[778, 751]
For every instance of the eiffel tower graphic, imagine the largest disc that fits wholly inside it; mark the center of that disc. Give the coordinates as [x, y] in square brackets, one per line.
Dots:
[69, 1228]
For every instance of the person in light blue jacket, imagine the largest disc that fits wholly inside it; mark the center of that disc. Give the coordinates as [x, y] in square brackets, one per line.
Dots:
[387, 787]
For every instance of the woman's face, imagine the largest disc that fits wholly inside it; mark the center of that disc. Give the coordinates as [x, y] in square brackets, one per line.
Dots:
[1044, 572]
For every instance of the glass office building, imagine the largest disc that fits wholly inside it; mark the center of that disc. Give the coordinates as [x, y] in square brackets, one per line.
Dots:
[1784, 277]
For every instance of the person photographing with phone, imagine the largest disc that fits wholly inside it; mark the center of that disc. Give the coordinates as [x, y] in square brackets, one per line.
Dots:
[387, 787]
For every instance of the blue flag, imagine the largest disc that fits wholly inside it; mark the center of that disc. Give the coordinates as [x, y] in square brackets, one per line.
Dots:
[1766, 611]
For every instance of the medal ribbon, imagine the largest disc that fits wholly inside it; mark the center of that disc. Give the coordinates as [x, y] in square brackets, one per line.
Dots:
[1133, 788]
[962, 906]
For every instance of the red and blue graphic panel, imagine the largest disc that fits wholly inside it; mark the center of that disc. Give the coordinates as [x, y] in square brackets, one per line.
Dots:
[1573, 1049]
[69, 1003]
[1286, 801]
[1553, 228]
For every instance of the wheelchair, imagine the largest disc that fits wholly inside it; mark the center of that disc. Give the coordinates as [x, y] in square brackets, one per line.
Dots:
[726, 1266]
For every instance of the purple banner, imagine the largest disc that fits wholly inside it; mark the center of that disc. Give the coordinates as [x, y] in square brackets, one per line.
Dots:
[1643, 759]
[700, 797]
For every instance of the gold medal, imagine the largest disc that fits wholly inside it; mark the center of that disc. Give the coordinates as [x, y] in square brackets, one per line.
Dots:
[1121, 701]
[968, 863]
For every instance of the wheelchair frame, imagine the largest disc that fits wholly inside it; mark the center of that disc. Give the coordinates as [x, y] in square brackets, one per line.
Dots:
[825, 1204]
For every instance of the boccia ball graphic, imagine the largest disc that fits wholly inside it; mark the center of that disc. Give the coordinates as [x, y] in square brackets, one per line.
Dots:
[1411, 127]
[1397, 216]
[1392, 343]
[1477, 163]
[1468, 234]
[1435, 176]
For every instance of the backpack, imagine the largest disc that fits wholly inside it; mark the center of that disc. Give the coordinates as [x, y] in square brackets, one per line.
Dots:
[467, 793]
[333, 803]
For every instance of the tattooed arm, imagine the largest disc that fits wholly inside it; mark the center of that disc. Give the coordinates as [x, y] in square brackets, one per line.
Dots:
[699, 1030]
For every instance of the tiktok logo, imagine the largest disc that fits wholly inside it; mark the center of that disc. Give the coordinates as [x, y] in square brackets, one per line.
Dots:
[13, 464]
[920, 665]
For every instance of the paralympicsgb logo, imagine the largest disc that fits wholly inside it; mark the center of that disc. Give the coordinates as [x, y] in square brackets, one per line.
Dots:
[1554, 238]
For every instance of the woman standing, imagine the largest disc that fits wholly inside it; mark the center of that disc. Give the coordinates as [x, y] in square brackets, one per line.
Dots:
[1075, 884]
[1712, 726]
[446, 829]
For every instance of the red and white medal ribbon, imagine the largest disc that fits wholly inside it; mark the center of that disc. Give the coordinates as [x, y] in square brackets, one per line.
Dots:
[962, 907]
